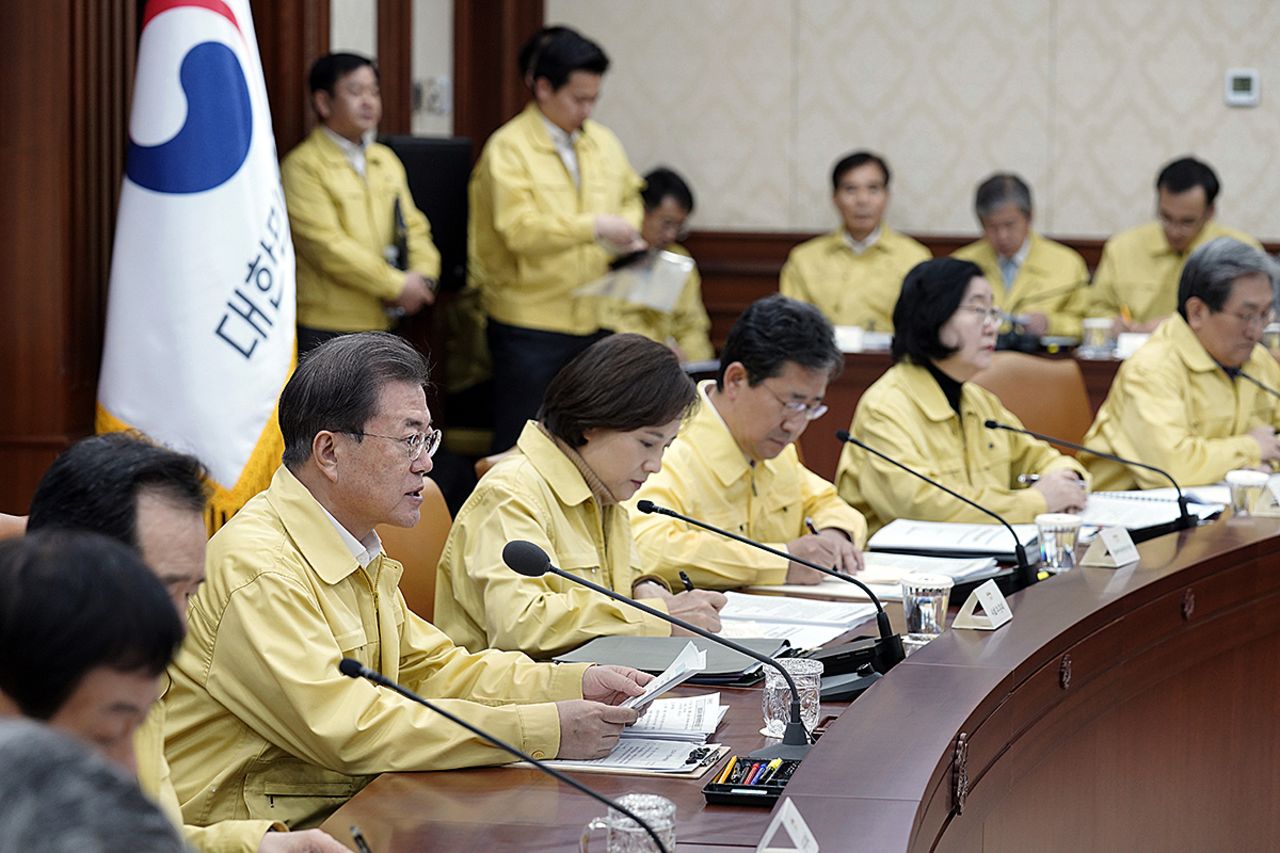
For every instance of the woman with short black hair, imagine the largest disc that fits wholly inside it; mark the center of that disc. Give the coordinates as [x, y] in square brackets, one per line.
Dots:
[926, 413]
[605, 421]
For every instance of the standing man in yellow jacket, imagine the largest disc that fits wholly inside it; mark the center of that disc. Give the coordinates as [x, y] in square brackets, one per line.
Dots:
[735, 465]
[260, 722]
[1137, 279]
[364, 249]
[853, 274]
[1040, 282]
[668, 203]
[153, 499]
[1194, 400]
[553, 199]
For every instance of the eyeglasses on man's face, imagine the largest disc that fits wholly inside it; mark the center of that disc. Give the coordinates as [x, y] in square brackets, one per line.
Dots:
[795, 408]
[414, 445]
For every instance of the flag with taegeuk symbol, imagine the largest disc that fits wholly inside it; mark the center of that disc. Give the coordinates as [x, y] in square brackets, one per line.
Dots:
[200, 335]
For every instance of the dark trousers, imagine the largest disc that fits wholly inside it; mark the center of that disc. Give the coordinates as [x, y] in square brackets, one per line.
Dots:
[309, 339]
[524, 363]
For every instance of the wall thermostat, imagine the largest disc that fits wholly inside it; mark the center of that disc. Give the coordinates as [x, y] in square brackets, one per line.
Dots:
[1242, 87]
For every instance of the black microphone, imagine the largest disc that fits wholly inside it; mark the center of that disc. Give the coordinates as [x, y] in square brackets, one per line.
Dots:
[528, 559]
[354, 669]
[1025, 575]
[889, 651]
[1185, 520]
[1273, 392]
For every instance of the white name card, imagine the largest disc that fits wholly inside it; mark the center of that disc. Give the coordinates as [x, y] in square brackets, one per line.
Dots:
[995, 610]
[788, 818]
[1268, 503]
[1113, 547]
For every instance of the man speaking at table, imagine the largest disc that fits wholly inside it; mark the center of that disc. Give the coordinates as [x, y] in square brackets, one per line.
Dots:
[260, 721]
[1192, 400]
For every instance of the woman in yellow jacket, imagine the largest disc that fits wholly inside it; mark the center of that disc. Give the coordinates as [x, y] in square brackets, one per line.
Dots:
[925, 413]
[605, 421]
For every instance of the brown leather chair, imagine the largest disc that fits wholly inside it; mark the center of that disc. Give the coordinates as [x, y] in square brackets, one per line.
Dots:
[1047, 394]
[12, 526]
[485, 463]
[418, 549]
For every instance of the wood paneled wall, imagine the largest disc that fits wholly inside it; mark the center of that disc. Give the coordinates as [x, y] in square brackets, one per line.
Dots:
[68, 65]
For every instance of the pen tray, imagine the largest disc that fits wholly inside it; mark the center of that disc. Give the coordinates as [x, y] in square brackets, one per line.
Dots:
[727, 794]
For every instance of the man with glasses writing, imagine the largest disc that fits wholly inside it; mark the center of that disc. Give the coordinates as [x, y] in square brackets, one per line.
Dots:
[734, 463]
[1200, 397]
[260, 722]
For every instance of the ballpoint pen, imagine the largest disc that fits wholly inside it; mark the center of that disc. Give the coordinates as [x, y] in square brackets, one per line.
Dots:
[358, 837]
[1028, 479]
[808, 522]
[684, 579]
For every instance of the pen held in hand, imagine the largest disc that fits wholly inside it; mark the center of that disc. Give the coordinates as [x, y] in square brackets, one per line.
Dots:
[1028, 479]
[808, 523]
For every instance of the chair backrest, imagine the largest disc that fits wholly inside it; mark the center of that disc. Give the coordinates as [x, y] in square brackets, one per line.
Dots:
[486, 462]
[418, 549]
[12, 526]
[1047, 394]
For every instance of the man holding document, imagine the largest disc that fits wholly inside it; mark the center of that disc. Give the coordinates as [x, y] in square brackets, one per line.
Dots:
[261, 723]
[734, 464]
[1200, 397]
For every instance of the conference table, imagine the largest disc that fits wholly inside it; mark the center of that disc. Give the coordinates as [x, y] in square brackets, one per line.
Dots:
[818, 444]
[1121, 709]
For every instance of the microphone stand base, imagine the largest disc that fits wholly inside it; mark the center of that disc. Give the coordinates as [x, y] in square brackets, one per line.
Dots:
[795, 744]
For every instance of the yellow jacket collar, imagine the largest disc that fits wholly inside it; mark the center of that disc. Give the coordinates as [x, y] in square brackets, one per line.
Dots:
[531, 123]
[307, 525]
[335, 156]
[556, 468]
[924, 389]
[710, 434]
[1185, 343]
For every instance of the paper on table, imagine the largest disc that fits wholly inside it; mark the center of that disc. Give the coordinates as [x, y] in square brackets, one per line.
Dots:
[799, 611]
[687, 664]
[1136, 510]
[689, 718]
[639, 754]
[904, 534]
[800, 636]
[883, 573]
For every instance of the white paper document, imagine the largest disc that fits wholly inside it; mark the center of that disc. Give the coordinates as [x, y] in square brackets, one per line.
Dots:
[666, 756]
[654, 282]
[884, 572]
[807, 623]
[1137, 510]
[689, 718]
[687, 664]
[944, 537]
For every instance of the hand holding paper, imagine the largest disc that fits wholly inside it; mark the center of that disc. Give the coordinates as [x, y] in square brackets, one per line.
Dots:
[687, 664]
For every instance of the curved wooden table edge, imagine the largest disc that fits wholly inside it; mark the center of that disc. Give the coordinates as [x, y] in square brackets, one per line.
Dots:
[908, 760]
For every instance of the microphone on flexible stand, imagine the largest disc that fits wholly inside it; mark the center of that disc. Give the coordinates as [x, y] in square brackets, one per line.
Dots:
[888, 651]
[1025, 575]
[528, 559]
[1273, 392]
[1185, 519]
[354, 669]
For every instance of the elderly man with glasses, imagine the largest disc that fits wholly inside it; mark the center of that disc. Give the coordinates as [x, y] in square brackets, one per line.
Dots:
[734, 463]
[1202, 396]
[261, 724]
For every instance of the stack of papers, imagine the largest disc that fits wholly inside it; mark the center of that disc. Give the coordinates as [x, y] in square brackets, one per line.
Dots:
[942, 538]
[693, 719]
[805, 622]
[884, 573]
[1139, 509]
[644, 757]
[691, 661]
